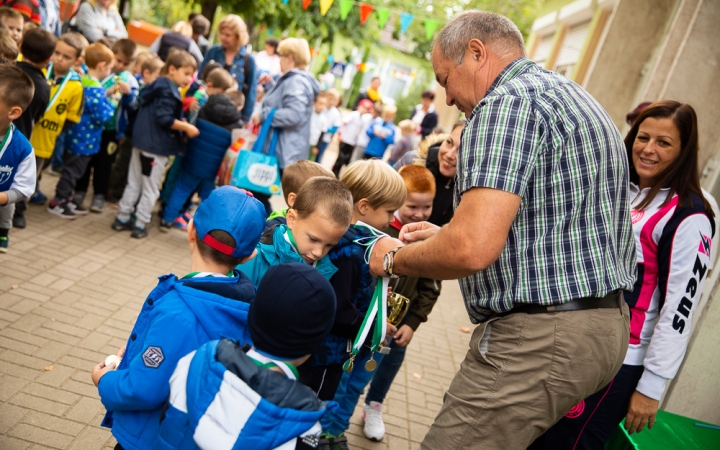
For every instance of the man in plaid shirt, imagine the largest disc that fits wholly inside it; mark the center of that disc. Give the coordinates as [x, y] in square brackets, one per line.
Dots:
[541, 240]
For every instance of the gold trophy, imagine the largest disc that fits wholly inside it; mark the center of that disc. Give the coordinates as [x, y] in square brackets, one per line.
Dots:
[398, 306]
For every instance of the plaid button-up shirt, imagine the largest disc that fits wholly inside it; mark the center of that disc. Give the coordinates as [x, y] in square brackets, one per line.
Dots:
[542, 137]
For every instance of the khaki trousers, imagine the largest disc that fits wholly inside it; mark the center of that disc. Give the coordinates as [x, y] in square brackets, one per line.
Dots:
[523, 372]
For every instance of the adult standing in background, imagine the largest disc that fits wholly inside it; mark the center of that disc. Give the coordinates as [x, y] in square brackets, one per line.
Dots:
[542, 240]
[232, 54]
[424, 115]
[179, 36]
[200, 28]
[100, 18]
[372, 93]
[292, 97]
[50, 16]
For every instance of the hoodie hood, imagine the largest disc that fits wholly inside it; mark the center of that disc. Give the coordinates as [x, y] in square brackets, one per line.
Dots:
[220, 304]
[227, 400]
[159, 88]
[222, 111]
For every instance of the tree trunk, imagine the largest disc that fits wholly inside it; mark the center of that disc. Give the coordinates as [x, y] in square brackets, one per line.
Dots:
[208, 8]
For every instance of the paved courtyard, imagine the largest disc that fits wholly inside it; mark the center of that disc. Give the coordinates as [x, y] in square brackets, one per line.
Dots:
[69, 294]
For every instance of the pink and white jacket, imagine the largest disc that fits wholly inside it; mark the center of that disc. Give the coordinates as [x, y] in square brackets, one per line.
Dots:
[673, 252]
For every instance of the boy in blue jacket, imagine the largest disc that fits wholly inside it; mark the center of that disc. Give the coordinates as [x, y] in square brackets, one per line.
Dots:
[83, 138]
[179, 315]
[263, 405]
[381, 133]
[157, 135]
[318, 218]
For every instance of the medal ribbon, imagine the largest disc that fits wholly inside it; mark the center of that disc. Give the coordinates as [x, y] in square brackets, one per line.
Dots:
[378, 304]
[289, 370]
[6, 140]
[63, 83]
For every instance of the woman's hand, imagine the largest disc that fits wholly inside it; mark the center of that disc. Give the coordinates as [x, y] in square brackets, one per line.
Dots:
[256, 119]
[641, 411]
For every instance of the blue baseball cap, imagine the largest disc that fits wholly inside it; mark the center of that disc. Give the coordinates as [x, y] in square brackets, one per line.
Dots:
[234, 211]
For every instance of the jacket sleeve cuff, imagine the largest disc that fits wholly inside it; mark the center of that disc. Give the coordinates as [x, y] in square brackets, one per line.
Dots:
[651, 385]
[412, 321]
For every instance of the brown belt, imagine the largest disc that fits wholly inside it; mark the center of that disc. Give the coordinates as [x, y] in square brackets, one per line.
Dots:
[612, 300]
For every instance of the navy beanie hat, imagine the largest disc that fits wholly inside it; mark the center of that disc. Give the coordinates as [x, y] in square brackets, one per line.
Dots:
[293, 311]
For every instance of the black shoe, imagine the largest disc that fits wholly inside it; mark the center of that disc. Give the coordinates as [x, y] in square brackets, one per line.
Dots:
[4, 242]
[165, 226]
[139, 233]
[77, 208]
[339, 443]
[119, 225]
[62, 210]
[19, 221]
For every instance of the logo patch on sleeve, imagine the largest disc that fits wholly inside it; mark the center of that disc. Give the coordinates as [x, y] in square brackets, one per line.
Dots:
[705, 243]
[153, 357]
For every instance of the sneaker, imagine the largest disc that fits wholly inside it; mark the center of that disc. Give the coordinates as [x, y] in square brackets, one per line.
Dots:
[19, 220]
[62, 210]
[339, 443]
[77, 208]
[4, 242]
[165, 226]
[139, 232]
[179, 222]
[55, 171]
[38, 198]
[119, 225]
[98, 204]
[78, 198]
[374, 426]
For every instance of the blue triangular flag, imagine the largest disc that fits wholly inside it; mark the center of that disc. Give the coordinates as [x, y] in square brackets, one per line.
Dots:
[405, 21]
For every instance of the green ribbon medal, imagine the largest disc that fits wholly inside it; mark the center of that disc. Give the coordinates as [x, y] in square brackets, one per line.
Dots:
[378, 307]
[289, 370]
[63, 83]
[6, 139]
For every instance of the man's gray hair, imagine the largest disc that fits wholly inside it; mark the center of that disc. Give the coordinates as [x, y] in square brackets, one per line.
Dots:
[497, 32]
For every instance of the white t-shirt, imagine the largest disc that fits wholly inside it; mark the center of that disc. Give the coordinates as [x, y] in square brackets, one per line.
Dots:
[318, 124]
[334, 119]
[365, 122]
[265, 62]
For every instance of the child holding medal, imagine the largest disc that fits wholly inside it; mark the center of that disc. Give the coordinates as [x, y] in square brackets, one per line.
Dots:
[65, 105]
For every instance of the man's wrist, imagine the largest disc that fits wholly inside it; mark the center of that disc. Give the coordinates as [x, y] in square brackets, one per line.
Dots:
[389, 262]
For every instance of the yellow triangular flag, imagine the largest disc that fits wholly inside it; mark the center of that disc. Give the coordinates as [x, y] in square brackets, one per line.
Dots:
[325, 5]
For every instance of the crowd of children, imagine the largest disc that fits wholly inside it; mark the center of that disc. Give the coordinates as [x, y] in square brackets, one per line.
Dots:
[274, 310]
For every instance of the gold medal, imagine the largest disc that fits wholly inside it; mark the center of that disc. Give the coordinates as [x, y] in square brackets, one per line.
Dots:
[348, 366]
[371, 365]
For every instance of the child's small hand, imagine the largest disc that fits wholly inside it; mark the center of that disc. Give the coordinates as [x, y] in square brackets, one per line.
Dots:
[256, 119]
[123, 87]
[314, 151]
[192, 131]
[404, 335]
[101, 369]
[111, 90]
[194, 105]
[390, 331]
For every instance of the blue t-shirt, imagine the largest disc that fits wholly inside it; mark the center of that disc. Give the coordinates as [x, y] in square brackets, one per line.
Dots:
[13, 150]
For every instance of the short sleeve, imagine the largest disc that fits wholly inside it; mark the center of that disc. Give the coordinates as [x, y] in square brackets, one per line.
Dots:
[75, 106]
[500, 146]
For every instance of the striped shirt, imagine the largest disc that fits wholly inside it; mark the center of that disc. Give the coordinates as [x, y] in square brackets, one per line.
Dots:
[542, 137]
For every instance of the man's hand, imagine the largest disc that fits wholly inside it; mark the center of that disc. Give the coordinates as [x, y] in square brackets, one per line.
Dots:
[404, 335]
[418, 231]
[382, 246]
[641, 411]
[101, 369]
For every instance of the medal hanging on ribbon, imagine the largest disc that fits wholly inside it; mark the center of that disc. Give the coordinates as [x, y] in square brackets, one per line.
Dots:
[7, 139]
[55, 96]
[377, 309]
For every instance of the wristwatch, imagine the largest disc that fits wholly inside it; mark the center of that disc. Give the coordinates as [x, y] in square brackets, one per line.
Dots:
[389, 262]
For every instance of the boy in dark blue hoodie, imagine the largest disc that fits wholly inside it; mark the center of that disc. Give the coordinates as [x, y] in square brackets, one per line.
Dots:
[157, 134]
[180, 315]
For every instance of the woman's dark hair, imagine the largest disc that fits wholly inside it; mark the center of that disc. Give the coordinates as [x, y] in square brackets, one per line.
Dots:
[682, 175]
[429, 95]
[272, 42]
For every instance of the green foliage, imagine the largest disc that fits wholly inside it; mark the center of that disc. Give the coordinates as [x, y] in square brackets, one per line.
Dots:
[352, 92]
[406, 104]
[162, 12]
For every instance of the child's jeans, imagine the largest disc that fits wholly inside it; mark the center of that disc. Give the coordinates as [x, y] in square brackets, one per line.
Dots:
[74, 168]
[185, 185]
[56, 161]
[119, 172]
[144, 178]
[100, 165]
[353, 384]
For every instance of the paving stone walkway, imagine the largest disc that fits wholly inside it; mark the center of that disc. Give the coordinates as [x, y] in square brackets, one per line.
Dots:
[69, 294]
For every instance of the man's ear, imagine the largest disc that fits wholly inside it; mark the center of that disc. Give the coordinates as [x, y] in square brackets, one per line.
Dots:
[477, 51]
[15, 113]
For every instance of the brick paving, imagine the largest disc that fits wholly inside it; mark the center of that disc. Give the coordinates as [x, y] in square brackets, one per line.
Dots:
[69, 294]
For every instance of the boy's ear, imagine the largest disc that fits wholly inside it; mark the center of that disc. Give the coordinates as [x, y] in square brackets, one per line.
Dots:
[363, 206]
[15, 113]
[191, 234]
[291, 199]
[291, 217]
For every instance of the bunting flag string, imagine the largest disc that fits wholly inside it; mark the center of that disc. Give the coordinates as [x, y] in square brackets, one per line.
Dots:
[365, 11]
[324, 6]
[345, 7]
[383, 15]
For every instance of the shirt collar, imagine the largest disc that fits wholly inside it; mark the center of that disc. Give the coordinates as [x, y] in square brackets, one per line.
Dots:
[511, 71]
